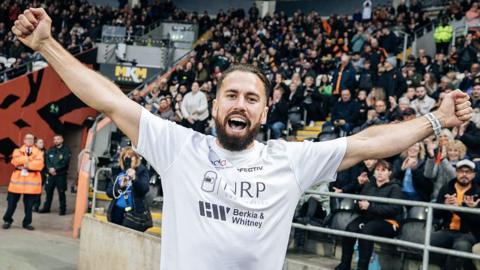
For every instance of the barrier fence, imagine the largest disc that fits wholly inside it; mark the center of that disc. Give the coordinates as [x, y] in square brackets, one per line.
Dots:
[426, 247]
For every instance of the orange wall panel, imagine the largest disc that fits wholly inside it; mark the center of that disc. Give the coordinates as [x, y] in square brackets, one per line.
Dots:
[38, 103]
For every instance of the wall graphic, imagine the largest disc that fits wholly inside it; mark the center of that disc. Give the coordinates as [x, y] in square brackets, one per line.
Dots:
[38, 103]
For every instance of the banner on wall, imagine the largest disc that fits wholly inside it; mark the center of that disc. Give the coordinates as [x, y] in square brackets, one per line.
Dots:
[128, 74]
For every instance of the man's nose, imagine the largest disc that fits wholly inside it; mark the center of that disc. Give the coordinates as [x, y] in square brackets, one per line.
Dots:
[240, 103]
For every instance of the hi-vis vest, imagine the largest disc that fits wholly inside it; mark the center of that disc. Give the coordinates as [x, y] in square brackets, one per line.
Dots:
[28, 180]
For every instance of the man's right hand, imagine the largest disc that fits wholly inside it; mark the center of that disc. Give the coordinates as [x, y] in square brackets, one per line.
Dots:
[33, 28]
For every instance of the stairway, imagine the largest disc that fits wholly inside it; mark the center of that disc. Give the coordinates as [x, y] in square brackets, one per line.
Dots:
[309, 132]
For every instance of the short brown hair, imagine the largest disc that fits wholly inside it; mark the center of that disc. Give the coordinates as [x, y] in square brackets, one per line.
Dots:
[267, 85]
[383, 163]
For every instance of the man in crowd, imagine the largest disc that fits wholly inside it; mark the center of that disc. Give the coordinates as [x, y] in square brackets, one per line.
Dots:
[57, 162]
[459, 229]
[344, 76]
[207, 222]
[195, 108]
[26, 180]
[344, 112]
[277, 114]
[476, 96]
[423, 104]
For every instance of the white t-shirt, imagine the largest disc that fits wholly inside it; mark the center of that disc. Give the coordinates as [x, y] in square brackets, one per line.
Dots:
[230, 210]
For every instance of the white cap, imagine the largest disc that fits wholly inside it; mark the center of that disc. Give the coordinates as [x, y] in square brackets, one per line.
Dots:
[465, 162]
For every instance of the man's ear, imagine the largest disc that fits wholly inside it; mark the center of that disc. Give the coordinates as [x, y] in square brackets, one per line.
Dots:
[264, 115]
[214, 108]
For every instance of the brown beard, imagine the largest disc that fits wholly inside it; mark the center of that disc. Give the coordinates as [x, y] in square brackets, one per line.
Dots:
[235, 143]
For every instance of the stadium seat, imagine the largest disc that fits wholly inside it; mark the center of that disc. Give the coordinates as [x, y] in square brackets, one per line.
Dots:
[413, 230]
[3, 60]
[10, 61]
[343, 214]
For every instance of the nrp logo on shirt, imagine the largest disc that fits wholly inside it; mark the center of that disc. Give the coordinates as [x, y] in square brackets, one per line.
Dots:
[238, 189]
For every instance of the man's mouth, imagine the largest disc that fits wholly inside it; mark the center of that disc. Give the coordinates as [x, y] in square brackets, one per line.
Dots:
[237, 123]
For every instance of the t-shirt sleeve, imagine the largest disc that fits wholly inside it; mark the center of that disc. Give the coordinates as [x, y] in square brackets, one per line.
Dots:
[315, 162]
[160, 141]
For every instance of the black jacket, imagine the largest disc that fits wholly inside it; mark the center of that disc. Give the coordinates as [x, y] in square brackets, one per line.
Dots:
[346, 111]
[140, 188]
[471, 139]
[381, 210]
[423, 186]
[278, 113]
[59, 159]
[468, 222]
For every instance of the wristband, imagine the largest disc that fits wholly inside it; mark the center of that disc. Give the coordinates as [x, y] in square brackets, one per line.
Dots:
[436, 126]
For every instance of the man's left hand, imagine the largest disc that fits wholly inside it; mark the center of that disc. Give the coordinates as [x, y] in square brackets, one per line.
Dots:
[455, 109]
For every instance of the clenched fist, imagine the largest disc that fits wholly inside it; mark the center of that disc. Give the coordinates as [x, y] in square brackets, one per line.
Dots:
[33, 28]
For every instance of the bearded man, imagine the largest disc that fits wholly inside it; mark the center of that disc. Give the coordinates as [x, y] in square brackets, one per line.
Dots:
[229, 201]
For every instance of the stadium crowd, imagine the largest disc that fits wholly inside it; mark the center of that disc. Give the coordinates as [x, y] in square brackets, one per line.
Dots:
[345, 71]
[76, 25]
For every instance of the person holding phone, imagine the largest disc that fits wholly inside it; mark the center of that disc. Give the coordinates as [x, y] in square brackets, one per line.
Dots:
[129, 188]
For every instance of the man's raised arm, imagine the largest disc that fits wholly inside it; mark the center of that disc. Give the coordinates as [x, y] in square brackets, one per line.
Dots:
[33, 28]
[388, 140]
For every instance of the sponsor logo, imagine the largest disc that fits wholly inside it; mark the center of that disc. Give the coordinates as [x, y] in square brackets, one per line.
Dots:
[252, 169]
[209, 181]
[215, 211]
[131, 74]
[219, 163]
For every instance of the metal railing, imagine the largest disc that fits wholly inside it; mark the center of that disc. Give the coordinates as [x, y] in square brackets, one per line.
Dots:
[95, 187]
[426, 247]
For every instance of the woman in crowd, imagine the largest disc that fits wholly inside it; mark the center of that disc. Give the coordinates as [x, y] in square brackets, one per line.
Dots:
[409, 168]
[375, 218]
[441, 167]
[129, 188]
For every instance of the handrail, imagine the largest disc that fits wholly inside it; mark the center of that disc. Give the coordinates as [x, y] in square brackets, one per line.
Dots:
[95, 186]
[397, 201]
[426, 247]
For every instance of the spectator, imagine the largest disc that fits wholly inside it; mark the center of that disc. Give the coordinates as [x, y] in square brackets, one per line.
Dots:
[295, 103]
[442, 170]
[409, 168]
[344, 112]
[472, 17]
[458, 229]
[443, 37]
[129, 189]
[367, 11]
[178, 108]
[422, 104]
[475, 96]
[195, 109]
[375, 218]
[165, 111]
[469, 134]
[313, 102]
[344, 76]
[277, 114]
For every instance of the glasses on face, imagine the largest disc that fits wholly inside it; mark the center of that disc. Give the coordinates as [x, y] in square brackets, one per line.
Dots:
[465, 171]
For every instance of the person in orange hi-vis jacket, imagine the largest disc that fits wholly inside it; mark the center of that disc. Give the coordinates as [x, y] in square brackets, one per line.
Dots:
[26, 179]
